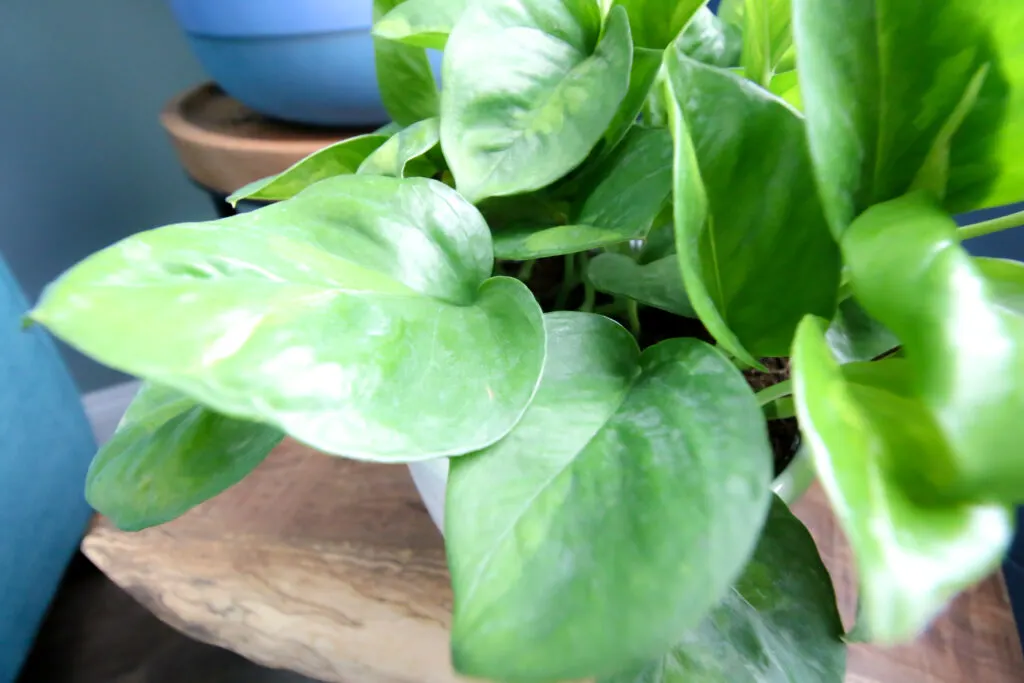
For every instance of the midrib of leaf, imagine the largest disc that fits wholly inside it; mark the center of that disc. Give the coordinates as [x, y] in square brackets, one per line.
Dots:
[722, 303]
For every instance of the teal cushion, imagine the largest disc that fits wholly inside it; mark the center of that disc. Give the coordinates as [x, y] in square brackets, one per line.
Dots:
[45, 448]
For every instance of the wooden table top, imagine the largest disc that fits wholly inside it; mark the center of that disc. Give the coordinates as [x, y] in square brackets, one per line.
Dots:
[333, 569]
[224, 145]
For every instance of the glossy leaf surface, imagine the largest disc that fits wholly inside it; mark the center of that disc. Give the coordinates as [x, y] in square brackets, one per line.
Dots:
[750, 234]
[854, 335]
[530, 88]
[777, 624]
[341, 158]
[710, 40]
[872, 441]
[525, 243]
[901, 95]
[402, 154]
[910, 273]
[656, 23]
[422, 23]
[553, 583]
[404, 77]
[357, 317]
[657, 284]
[168, 455]
[642, 74]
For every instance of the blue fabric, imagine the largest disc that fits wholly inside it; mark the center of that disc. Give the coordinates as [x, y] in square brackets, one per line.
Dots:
[45, 448]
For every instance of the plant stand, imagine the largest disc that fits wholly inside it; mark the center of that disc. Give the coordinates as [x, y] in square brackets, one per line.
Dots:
[223, 145]
[333, 569]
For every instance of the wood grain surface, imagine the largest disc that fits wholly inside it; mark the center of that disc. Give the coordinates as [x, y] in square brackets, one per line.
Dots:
[333, 569]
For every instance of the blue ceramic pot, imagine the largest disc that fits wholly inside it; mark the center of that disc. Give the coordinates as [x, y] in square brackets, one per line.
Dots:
[306, 61]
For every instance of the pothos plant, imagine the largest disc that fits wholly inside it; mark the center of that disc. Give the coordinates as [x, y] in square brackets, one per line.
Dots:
[571, 271]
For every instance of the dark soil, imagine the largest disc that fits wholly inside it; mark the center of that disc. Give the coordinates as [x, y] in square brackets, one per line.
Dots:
[545, 280]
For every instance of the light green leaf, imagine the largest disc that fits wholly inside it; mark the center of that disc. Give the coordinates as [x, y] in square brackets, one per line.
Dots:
[404, 77]
[657, 284]
[908, 271]
[710, 40]
[1005, 280]
[787, 86]
[341, 158]
[754, 248]
[656, 23]
[553, 581]
[856, 336]
[357, 317]
[913, 94]
[872, 441]
[422, 23]
[777, 624]
[530, 88]
[526, 243]
[405, 149]
[642, 75]
[168, 455]
[767, 36]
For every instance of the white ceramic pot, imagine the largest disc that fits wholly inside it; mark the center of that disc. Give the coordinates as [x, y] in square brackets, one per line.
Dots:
[431, 479]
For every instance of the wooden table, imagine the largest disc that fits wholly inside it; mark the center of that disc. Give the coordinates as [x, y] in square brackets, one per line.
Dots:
[333, 569]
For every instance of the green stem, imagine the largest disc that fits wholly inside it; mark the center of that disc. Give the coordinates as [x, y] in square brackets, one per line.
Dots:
[1013, 220]
[589, 293]
[526, 270]
[568, 282]
[633, 311]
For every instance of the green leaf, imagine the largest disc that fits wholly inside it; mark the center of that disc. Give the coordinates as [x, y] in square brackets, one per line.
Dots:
[710, 40]
[767, 36]
[627, 189]
[779, 621]
[656, 23]
[642, 75]
[525, 243]
[357, 317]
[1005, 280]
[754, 248]
[403, 154]
[168, 455]
[787, 86]
[530, 88]
[907, 94]
[856, 336]
[421, 23]
[341, 158]
[871, 440]
[657, 284]
[404, 77]
[909, 272]
[584, 542]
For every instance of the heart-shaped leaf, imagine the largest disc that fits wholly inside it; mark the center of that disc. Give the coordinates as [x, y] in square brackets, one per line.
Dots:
[341, 158]
[909, 271]
[168, 455]
[656, 23]
[404, 77]
[953, 124]
[357, 317]
[750, 233]
[530, 88]
[779, 621]
[657, 284]
[422, 23]
[873, 442]
[583, 541]
[405, 149]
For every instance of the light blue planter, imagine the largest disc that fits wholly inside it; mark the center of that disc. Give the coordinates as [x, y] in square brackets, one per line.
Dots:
[306, 61]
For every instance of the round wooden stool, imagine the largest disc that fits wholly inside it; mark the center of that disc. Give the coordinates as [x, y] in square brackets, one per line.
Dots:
[223, 145]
